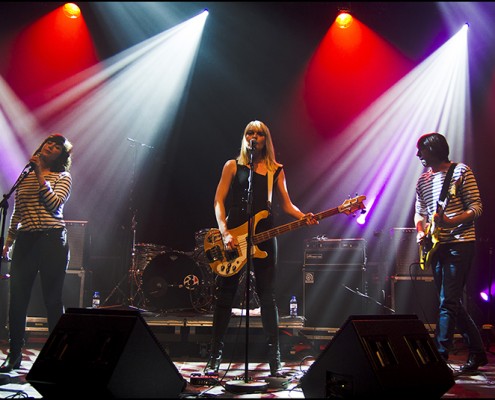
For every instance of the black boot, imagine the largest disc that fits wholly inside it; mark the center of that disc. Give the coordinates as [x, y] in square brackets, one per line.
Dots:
[274, 360]
[475, 360]
[13, 361]
[213, 364]
[215, 359]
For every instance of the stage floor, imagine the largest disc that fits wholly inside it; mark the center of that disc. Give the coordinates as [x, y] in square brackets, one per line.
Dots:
[14, 384]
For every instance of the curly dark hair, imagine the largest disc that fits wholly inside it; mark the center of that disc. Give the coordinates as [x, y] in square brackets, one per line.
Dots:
[64, 161]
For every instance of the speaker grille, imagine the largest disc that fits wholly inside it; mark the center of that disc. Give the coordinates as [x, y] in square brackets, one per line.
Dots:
[406, 251]
[76, 234]
[387, 357]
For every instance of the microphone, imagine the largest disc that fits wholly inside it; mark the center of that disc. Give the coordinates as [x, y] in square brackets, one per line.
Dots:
[31, 165]
[252, 144]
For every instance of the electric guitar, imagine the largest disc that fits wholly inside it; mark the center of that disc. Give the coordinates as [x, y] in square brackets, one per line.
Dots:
[429, 244]
[229, 262]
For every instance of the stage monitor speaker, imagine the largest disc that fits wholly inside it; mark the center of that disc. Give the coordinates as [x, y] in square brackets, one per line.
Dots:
[104, 353]
[382, 356]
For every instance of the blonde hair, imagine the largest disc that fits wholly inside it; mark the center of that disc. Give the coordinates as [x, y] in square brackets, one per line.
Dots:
[268, 152]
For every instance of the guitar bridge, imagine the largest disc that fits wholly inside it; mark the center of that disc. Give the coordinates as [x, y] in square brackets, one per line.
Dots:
[232, 254]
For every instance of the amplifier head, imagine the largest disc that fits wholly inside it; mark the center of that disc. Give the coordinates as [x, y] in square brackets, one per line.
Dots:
[335, 252]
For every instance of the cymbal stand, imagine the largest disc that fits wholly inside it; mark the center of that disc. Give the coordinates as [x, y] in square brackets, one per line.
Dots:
[133, 274]
[136, 297]
[126, 277]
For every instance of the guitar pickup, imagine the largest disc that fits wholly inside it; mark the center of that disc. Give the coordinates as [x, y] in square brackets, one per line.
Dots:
[214, 254]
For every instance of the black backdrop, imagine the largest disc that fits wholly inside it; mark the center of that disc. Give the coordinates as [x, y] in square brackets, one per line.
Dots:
[267, 46]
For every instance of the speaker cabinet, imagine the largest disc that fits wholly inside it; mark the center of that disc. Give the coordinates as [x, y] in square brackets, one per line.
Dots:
[106, 354]
[389, 356]
[415, 296]
[76, 235]
[406, 253]
[333, 281]
[330, 296]
[75, 293]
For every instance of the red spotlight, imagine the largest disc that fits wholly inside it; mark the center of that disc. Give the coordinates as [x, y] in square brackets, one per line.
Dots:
[344, 19]
[71, 10]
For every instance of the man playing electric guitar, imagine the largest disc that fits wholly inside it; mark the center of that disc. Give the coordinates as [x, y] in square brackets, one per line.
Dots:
[429, 242]
[455, 247]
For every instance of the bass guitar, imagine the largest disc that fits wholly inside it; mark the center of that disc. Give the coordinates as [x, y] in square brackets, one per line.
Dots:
[230, 262]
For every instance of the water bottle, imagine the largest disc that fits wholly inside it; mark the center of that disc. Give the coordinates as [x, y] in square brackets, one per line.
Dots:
[293, 306]
[96, 300]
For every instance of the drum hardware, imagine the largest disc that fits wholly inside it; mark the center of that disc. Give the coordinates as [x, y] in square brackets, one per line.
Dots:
[168, 280]
[174, 281]
[133, 276]
[254, 301]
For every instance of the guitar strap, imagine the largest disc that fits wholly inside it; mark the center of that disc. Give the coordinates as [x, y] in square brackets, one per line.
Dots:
[446, 182]
[270, 190]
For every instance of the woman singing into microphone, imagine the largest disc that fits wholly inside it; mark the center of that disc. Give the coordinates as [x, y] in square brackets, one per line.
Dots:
[38, 235]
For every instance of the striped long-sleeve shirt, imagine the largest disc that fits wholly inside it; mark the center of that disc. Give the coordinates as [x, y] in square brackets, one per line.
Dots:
[463, 194]
[39, 208]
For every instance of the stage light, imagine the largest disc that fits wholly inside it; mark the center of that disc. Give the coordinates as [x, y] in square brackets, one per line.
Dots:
[71, 10]
[344, 19]
[484, 296]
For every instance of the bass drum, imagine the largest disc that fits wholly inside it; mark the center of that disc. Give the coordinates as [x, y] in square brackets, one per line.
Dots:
[173, 282]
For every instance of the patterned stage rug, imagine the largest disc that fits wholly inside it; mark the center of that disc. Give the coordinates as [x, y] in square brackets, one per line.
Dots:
[477, 385]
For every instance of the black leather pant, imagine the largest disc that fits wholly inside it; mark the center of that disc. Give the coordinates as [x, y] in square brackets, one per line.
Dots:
[225, 295]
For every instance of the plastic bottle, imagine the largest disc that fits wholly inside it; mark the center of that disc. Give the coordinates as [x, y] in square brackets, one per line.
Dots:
[96, 300]
[293, 306]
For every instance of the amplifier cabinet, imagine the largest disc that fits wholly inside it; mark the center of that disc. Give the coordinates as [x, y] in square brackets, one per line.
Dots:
[335, 254]
[75, 293]
[330, 296]
[406, 253]
[76, 235]
[415, 296]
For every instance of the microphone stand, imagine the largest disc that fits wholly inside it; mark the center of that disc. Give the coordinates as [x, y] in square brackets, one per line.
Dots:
[357, 292]
[248, 386]
[5, 205]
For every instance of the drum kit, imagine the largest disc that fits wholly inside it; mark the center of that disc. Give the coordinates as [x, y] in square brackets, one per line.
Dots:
[170, 280]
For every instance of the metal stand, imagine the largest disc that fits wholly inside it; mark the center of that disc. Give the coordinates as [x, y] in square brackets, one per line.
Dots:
[4, 204]
[248, 385]
[136, 296]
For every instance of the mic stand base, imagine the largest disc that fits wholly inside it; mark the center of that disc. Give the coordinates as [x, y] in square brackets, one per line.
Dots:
[240, 386]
